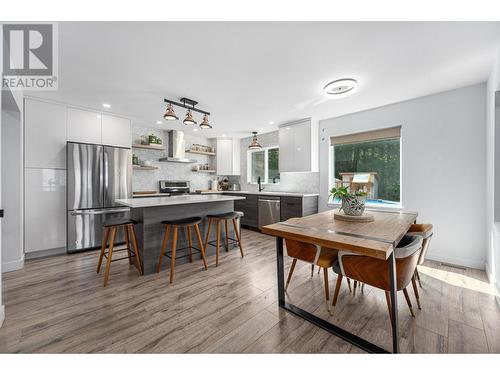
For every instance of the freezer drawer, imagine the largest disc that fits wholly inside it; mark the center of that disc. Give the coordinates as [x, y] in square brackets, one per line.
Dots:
[85, 227]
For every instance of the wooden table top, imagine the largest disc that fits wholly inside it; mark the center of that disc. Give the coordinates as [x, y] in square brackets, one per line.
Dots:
[376, 239]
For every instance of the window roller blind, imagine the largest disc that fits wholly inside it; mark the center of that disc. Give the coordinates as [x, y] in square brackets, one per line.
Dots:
[393, 132]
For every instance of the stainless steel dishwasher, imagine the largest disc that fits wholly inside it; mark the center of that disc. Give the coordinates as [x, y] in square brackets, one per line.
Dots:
[269, 211]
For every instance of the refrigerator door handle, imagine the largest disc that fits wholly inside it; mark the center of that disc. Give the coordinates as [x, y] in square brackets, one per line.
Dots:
[98, 212]
[105, 175]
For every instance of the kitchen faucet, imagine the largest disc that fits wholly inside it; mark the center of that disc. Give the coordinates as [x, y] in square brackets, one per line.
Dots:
[260, 185]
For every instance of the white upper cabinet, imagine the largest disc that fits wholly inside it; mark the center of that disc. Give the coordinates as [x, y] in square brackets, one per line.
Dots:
[84, 126]
[298, 152]
[116, 131]
[228, 157]
[45, 134]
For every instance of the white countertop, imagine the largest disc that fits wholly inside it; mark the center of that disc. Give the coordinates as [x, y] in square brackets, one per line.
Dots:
[176, 200]
[278, 193]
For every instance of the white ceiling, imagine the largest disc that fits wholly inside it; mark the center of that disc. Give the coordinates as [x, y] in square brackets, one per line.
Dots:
[248, 74]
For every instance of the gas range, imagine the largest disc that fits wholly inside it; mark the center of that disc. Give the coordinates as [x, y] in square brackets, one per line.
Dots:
[174, 187]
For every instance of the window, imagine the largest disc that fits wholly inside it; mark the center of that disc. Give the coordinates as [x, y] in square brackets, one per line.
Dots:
[370, 162]
[263, 163]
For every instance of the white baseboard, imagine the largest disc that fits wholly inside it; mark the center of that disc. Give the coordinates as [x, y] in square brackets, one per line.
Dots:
[491, 279]
[13, 266]
[471, 263]
[2, 314]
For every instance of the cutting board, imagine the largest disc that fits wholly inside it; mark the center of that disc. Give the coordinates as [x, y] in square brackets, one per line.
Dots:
[208, 191]
[145, 192]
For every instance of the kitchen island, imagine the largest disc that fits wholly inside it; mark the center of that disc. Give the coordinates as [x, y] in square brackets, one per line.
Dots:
[150, 212]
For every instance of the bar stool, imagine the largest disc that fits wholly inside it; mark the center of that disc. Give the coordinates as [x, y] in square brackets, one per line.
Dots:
[186, 224]
[218, 218]
[111, 226]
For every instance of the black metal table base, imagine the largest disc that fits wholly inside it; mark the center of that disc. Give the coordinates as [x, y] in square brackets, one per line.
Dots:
[331, 328]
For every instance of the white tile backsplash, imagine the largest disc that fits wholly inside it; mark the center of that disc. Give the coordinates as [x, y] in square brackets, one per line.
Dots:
[148, 179]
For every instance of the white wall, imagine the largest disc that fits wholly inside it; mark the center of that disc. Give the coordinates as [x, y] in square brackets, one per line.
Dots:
[443, 166]
[12, 188]
[492, 188]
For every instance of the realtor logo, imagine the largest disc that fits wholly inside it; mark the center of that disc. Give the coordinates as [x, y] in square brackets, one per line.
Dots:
[29, 56]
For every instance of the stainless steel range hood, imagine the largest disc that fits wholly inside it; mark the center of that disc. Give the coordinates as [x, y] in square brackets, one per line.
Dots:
[176, 148]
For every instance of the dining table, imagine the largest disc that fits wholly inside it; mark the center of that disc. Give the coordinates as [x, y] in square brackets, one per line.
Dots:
[378, 239]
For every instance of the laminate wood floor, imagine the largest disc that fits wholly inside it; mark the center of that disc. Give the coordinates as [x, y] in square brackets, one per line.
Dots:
[58, 305]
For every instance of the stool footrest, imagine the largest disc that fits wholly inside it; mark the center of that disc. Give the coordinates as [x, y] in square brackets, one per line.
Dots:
[168, 254]
[232, 242]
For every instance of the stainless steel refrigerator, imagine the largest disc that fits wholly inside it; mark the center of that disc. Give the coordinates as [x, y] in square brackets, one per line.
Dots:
[97, 176]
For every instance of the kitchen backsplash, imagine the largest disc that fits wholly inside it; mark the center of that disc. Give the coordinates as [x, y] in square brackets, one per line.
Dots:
[148, 179]
[304, 182]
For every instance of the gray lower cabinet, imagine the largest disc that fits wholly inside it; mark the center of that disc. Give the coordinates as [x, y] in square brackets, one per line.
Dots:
[298, 207]
[290, 207]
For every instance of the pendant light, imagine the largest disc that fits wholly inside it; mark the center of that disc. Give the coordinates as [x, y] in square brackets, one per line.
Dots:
[254, 145]
[170, 114]
[205, 124]
[189, 120]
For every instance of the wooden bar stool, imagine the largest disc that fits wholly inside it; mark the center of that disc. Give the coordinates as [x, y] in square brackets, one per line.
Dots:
[218, 218]
[186, 224]
[111, 226]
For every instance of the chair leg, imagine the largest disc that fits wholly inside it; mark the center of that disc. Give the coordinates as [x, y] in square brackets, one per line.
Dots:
[312, 270]
[127, 243]
[227, 236]
[103, 248]
[337, 290]
[349, 284]
[292, 268]
[172, 255]
[208, 234]
[163, 247]
[200, 243]
[362, 288]
[355, 286]
[418, 276]
[388, 299]
[407, 297]
[319, 270]
[110, 254]
[190, 243]
[218, 244]
[235, 226]
[137, 257]
[415, 290]
[327, 289]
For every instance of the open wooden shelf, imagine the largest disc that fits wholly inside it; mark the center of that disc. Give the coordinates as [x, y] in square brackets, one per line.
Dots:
[149, 147]
[201, 152]
[144, 168]
[205, 171]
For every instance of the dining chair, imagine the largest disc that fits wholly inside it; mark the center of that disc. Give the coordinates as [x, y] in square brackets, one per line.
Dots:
[313, 254]
[426, 232]
[375, 272]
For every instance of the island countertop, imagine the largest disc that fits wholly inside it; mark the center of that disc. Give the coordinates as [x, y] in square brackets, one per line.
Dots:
[176, 200]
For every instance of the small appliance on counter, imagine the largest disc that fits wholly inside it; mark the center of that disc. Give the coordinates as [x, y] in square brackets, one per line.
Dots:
[174, 187]
[234, 187]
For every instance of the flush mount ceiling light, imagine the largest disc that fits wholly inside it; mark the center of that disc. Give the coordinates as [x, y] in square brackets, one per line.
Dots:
[340, 88]
[254, 145]
[189, 120]
[170, 113]
[190, 105]
[205, 124]
[106, 105]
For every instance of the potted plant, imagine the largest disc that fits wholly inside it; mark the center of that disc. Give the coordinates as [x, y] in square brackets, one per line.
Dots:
[353, 204]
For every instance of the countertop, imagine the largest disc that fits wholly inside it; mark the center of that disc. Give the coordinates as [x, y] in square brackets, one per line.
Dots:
[150, 195]
[176, 200]
[277, 193]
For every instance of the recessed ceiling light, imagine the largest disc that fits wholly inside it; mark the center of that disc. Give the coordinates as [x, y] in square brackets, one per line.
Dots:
[106, 105]
[195, 129]
[287, 128]
[159, 122]
[271, 122]
[223, 135]
[340, 88]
